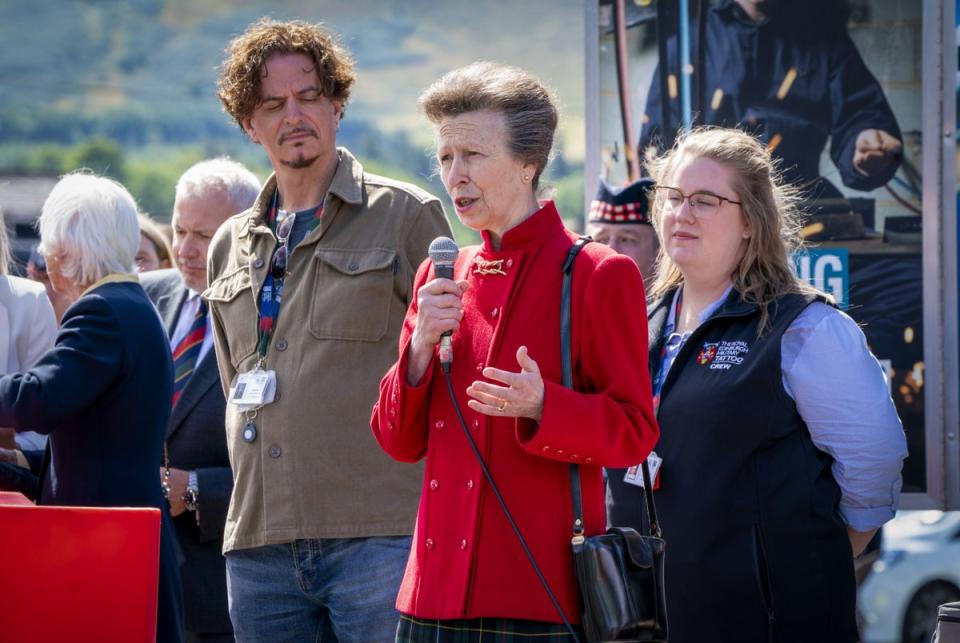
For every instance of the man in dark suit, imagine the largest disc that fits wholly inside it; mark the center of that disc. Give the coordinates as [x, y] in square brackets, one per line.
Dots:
[196, 471]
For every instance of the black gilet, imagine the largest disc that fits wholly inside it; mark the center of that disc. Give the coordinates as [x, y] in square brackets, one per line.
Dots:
[756, 549]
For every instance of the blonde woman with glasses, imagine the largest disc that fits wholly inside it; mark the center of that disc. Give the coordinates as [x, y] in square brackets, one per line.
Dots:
[781, 449]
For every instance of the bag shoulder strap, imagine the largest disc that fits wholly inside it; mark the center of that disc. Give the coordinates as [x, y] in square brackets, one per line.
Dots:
[566, 310]
[566, 360]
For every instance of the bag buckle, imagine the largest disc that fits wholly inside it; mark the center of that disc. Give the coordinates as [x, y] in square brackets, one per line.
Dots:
[577, 532]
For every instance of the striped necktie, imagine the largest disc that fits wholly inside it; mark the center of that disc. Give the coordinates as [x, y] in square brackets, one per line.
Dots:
[186, 353]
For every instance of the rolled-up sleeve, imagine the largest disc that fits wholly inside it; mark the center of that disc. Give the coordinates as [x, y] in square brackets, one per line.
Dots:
[843, 397]
[857, 104]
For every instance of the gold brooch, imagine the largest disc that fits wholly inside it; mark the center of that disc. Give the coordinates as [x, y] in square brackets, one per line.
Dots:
[482, 267]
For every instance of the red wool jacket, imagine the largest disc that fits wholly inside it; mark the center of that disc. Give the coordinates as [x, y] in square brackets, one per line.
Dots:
[466, 561]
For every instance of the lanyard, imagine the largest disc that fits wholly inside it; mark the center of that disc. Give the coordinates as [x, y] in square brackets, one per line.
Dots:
[661, 373]
[272, 291]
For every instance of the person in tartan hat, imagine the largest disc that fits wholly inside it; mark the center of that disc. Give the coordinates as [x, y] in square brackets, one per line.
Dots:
[620, 218]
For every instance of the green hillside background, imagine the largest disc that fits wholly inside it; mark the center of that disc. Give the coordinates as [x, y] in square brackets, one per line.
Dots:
[128, 88]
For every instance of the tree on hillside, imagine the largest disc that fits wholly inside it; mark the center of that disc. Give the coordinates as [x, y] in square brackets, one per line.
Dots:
[101, 155]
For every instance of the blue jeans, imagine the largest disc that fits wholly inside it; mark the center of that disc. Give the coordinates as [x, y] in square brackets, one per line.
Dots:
[329, 590]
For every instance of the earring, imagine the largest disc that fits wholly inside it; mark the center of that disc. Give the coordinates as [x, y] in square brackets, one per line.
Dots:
[525, 178]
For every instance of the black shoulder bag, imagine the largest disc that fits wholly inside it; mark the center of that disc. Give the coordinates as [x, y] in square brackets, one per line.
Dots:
[620, 574]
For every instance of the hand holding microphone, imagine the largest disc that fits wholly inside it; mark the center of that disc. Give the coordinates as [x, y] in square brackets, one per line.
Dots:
[443, 253]
[439, 311]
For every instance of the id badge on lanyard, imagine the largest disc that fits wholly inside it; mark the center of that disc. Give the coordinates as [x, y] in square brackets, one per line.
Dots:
[634, 475]
[258, 387]
[254, 389]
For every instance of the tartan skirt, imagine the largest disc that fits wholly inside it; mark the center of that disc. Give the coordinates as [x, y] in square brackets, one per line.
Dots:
[481, 630]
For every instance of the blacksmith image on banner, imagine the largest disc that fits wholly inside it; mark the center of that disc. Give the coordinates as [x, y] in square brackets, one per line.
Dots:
[789, 73]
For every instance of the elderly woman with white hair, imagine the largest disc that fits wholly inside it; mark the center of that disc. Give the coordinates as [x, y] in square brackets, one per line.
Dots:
[103, 392]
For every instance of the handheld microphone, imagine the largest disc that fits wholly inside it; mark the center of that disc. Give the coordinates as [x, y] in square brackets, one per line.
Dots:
[443, 254]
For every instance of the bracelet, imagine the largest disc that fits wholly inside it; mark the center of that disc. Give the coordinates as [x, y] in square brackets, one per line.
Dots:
[165, 480]
[165, 483]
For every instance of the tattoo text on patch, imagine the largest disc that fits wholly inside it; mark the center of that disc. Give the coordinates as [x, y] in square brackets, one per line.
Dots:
[729, 354]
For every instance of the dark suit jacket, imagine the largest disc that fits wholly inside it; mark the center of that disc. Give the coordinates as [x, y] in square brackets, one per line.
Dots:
[196, 440]
[102, 393]
[13, 477]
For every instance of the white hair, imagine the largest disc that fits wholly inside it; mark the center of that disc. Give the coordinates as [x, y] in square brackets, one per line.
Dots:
[220, 174]
[91, 221]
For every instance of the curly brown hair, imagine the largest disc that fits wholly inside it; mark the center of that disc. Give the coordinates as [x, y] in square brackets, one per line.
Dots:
[239, 83]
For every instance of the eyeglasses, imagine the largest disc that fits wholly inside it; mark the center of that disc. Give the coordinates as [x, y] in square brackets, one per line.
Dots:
[703, 205]
[278, 264]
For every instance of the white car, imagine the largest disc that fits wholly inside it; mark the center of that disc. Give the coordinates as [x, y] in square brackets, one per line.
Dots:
[918, 569]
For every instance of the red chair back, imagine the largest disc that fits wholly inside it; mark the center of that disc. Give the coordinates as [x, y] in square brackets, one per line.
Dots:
[77, 573]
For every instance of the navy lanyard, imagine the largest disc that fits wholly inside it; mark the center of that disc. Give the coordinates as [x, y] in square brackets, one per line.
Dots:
[272, 291]
[661, 374]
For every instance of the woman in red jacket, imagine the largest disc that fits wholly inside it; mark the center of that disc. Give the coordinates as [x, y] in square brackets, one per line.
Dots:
[467, 571]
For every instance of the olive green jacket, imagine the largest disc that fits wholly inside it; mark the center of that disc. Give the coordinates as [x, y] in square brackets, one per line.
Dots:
[314, 469]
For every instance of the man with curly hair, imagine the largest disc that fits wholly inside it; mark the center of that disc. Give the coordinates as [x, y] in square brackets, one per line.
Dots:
[307, 292]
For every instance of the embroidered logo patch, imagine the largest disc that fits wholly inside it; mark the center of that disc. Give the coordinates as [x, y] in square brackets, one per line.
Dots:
[706, 354]
[722, 355]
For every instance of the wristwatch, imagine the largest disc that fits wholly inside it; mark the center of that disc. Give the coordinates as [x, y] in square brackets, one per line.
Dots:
[191, 497]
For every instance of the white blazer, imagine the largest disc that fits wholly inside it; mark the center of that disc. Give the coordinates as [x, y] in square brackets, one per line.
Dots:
[28, 329]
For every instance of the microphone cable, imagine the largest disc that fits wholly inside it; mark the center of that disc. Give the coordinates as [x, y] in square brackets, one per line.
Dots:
[503, 505]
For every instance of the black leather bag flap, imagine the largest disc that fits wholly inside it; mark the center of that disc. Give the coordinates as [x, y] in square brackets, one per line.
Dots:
[640, 550]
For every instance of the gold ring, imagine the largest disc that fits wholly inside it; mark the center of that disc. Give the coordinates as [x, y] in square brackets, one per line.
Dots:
[503, 406]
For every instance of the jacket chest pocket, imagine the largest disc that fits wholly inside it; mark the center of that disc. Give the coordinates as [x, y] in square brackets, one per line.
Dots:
[231, 297]
[353, 293]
